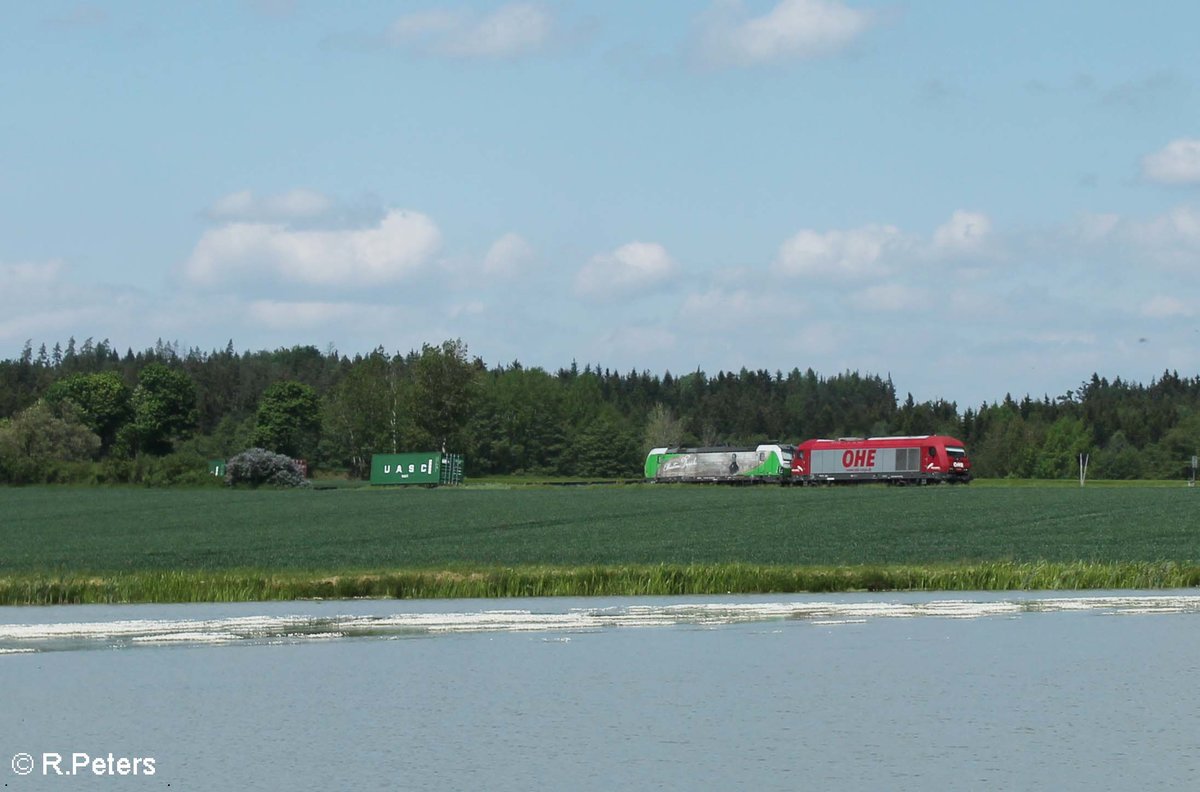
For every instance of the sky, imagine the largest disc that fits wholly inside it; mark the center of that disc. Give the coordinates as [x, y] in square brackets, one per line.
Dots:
[973, 199]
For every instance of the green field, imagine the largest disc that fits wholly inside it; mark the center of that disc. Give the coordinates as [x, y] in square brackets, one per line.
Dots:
[113, 544]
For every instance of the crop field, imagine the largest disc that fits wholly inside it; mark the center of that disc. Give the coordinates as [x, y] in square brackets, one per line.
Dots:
[113, 544]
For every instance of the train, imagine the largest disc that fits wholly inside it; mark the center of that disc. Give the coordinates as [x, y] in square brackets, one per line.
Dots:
[915, 459]
[770, 462]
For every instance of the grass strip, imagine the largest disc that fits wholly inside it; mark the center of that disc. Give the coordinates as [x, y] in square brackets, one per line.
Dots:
[616, 580]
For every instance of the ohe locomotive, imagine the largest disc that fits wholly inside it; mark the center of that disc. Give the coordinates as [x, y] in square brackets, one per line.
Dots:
[920, 459]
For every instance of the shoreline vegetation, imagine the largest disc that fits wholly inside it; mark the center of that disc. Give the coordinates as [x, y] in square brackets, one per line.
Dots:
[78, 545]
[635, 580]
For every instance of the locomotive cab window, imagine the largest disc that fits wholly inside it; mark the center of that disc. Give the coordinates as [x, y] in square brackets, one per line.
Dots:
[932, 452]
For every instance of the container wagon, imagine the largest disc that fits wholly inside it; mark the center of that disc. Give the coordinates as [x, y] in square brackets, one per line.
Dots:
[922, 459]
[770, 462]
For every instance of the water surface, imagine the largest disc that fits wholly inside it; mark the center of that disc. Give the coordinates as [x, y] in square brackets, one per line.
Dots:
[994, 691]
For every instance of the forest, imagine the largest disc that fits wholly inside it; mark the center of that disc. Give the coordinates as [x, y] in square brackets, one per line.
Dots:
[85, 413]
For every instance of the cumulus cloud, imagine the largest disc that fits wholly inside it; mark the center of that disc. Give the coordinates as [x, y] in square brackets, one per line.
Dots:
[965, 232]
[398, 247]
[507, 256]
[1170, 240]
[1177, 163]
[856, 253]
[628, 269]
[511, 31]
[1180, 226]
[291, 205]
[792, 30]
[873, 251]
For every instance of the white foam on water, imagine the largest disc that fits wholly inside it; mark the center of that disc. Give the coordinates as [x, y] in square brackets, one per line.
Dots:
[184, 637]
[299, 628]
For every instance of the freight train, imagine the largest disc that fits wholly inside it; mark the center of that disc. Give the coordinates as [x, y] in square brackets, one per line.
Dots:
[922, 459]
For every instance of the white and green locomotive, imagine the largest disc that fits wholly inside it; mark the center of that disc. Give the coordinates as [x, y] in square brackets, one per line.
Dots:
[770, 462]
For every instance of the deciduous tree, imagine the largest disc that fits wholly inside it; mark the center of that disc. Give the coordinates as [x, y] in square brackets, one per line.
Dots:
[35, 438]
[103, 400]
[444, 386]
[164, 408]
[288, 420]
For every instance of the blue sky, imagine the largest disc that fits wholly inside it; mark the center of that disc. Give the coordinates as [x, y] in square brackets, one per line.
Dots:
[973, 198]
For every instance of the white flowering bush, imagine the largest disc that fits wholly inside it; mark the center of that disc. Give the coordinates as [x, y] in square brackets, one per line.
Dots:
[258, 466]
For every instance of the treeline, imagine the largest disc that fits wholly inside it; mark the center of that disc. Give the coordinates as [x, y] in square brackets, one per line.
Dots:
[87, 413]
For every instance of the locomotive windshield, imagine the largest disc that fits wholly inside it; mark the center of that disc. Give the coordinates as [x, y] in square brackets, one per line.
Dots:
[956, 453]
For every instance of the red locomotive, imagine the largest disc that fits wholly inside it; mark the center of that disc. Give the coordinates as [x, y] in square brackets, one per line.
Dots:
[921, 459]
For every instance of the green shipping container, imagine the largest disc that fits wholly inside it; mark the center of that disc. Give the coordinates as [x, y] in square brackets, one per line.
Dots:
[421, 467]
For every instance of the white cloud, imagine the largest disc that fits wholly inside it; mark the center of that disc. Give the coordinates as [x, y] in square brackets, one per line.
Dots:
[507, 256]
[857, 253]
[1181, 225]
[628, 269]
[1177, 163]
[965, 232]
[1165, 307]
[721, 308]
[292, 205]
[792, 30]
[44, 301]
[875, 251]
[26, 274]
[511, 31]
[1170, 240]
[398, 247]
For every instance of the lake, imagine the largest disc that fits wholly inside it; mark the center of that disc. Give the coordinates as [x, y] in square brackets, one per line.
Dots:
[907, 691]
